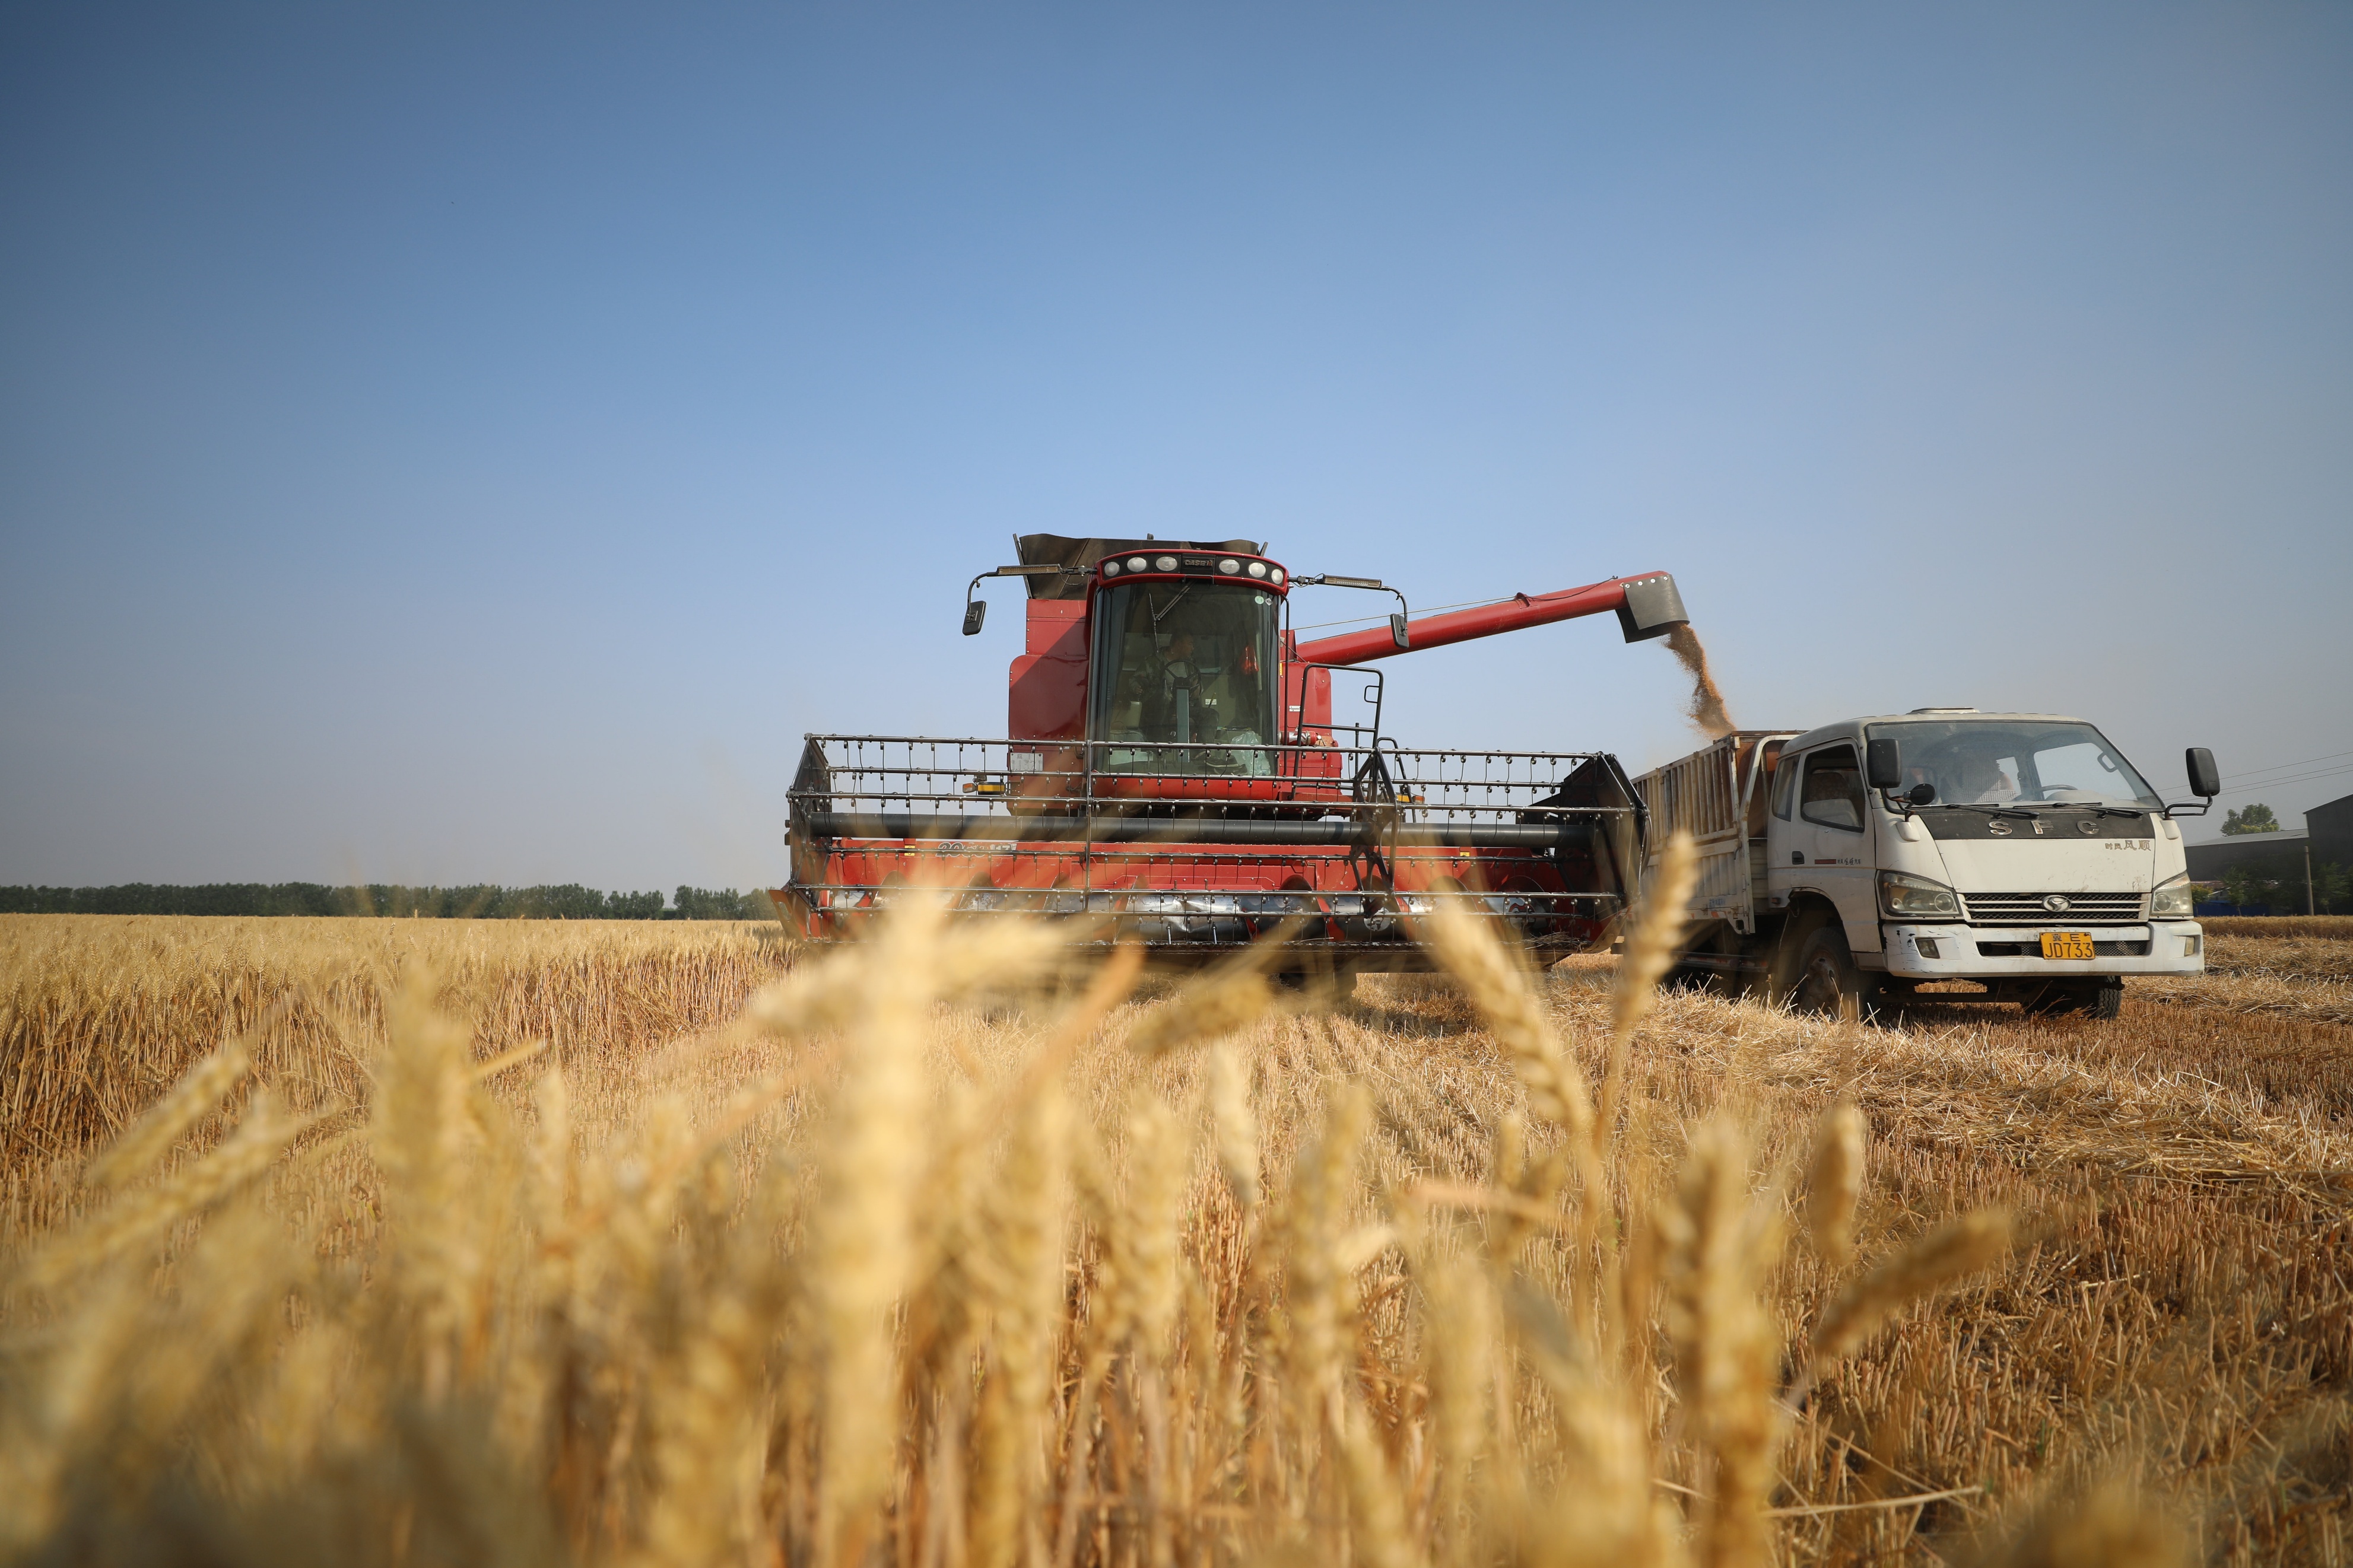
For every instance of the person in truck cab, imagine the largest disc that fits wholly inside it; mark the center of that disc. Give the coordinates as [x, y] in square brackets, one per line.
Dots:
[1983, 782]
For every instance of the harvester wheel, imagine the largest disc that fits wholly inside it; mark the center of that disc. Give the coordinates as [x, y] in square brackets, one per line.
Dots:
[1322, 983]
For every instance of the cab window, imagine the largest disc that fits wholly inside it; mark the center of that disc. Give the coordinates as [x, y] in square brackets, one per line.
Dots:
[1191, 674]
[1832, 797]
[1784, 786]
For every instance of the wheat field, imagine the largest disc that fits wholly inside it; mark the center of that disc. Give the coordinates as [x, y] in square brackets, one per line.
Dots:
[444, 1242]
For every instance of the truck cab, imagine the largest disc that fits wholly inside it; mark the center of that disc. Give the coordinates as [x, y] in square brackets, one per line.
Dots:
[2019, 853]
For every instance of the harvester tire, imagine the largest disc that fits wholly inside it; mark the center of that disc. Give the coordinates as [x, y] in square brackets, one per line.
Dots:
[1321, 984]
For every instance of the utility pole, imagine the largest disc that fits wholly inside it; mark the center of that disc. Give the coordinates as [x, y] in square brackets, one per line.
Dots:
[2307, 877]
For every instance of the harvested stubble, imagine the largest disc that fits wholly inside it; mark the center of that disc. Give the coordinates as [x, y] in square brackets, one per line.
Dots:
[944, 1273]
[2329, 928]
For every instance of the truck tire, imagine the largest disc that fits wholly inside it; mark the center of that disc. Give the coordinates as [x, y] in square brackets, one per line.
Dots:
[2098, 999]
[1827, 982]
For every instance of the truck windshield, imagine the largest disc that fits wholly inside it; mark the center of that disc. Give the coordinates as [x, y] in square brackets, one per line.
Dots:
[2015, 763]
[1184, 678]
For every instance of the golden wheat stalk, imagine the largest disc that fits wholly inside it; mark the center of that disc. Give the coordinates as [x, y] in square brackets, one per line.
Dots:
[1229, 997]
[964, 961]
[188, 1101]
[1319, 1286]
[862, 1241]
[262, 1136]
[1599, 1511]
[1501, 988]
[1019, 1273]
[2111, 1525]
[1376, 1535]
[1651, 947]
[1140, 1280]
[1953, 1251]
[1234, 1126]
[1834, 1185]
[1719, 1242]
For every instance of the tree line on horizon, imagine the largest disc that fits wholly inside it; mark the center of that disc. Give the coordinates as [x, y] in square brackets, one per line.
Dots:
[562, 902]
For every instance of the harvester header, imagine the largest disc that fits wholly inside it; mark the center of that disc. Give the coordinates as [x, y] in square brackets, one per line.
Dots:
[1173, 766]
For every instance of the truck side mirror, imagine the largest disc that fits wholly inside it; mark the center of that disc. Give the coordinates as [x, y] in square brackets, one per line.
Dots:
[2205, 779]
[974, 614]
[1884, 763]
[1398, 633]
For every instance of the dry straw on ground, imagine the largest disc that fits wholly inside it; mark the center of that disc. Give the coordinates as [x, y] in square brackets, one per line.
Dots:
[502, 1243]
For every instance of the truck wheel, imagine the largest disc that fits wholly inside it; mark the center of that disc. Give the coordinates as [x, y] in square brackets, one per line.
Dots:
[1827, 983]
[2096, 999]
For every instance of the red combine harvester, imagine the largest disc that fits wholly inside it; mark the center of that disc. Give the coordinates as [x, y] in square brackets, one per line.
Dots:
[1174, 773]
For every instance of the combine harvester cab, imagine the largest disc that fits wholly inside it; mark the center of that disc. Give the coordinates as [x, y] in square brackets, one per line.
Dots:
[1174, 774]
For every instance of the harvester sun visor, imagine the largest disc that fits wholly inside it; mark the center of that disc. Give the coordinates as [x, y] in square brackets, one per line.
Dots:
[1132, 555]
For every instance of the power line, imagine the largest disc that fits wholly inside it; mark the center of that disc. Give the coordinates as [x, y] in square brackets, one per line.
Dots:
[2262, 784]
[2277, 767]
[1426, 610]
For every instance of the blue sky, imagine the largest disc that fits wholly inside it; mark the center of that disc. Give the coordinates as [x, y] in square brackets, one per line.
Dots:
[475, 443]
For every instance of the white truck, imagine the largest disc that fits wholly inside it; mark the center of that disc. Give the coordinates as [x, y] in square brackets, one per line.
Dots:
[1844, 868]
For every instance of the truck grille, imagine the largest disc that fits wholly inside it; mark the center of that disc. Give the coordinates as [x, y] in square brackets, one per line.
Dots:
[2028, 908]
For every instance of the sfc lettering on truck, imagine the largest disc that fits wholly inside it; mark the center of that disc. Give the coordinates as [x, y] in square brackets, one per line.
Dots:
[1844, 868]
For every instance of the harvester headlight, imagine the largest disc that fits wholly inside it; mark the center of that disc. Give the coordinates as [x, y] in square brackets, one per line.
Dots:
[1276, 576]
[2174, 899]
[1110, 568]
[1229, 567]
[1135, 562]
[1258, 568]
[1166, 563]
[1907, 898]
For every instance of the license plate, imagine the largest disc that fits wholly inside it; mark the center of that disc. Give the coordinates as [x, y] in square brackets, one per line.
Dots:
[2066, 944]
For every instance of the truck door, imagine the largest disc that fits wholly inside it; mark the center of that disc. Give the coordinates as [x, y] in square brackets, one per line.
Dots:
[1830, 841]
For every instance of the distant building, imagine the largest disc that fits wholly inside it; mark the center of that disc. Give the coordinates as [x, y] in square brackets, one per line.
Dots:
[2331, 829]
[2328, 829]
[2207, 862]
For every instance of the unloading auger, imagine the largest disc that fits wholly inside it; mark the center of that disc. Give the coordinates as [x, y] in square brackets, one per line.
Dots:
[1174, 773]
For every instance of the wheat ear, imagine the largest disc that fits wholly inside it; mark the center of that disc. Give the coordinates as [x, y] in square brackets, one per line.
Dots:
[1963, 1246]
[1234, 1125]
[260, 1137]
[1651, 947]
[1321, 1294]
[199, 1090]
[1834, 1185]
[1377, 1534]
[2111, 1526]
[1501, 988]
[1141, 1283]
[1231, 997]
[862, 1241]
[1020, 1268]
[1724, 1346]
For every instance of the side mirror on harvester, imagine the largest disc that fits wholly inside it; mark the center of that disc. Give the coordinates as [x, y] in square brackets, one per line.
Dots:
[974, 614]
[1884, 763]
[2205, 779]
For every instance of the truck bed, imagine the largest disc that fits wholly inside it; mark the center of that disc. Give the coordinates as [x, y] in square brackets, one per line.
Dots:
[1717, 794]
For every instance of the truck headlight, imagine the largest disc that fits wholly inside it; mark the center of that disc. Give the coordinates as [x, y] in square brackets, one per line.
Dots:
[2174, 899]
[1907, 898]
